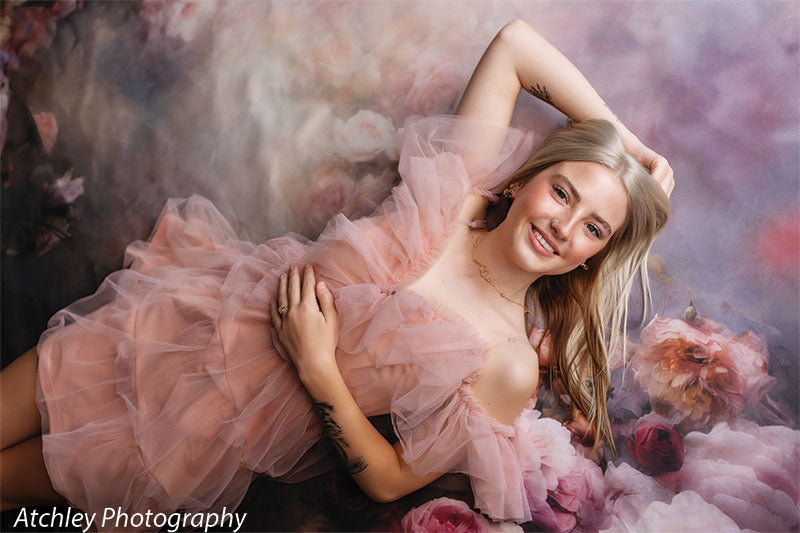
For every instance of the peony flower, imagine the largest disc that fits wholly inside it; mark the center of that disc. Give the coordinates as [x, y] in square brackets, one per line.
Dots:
[446, 515]
[749, 472]
[564, 489]
[699, 372]
[364, 136]
[331, 190]
[656, 447]
[687, 512]
[48, 129]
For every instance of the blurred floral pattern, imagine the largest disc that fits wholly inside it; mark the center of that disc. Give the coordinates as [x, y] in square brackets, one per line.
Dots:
[287, 113]
[698, 372]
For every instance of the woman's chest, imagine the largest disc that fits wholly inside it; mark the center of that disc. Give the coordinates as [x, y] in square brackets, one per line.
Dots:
[451, 287]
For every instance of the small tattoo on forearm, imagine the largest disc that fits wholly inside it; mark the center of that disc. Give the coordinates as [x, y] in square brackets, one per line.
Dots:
[541, 93]
[334, 431]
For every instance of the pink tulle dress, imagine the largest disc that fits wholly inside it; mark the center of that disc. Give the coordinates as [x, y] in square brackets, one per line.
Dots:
[167, 389]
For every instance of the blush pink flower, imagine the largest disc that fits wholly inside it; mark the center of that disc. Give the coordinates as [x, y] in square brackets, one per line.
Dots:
[337, 59]
[698, 372]
[364, 136]
[445, 515]
[48, 129]
[331, 191]
[564, 489]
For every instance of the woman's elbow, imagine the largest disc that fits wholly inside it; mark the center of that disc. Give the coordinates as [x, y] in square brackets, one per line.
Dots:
[382, 494]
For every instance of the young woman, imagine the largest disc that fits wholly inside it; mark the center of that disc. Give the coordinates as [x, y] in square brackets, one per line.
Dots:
[210, 359]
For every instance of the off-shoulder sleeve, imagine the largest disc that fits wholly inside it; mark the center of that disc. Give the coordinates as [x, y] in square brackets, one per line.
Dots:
[442, 427]
[412, 222]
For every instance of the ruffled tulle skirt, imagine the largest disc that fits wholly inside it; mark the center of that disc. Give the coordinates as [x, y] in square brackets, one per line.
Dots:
[163, 390]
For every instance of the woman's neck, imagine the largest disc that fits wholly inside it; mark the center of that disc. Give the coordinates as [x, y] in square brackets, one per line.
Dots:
[492, 251]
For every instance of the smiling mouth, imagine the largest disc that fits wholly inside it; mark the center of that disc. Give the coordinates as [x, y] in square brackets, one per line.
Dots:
[541, 240]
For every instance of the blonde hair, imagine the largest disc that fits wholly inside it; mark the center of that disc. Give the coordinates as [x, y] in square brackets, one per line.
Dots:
[583, 310]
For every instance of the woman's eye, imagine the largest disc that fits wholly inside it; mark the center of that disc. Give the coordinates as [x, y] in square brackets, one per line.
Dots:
[560, 192]
[595, 231]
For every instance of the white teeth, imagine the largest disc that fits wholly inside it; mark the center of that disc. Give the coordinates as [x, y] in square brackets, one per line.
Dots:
[542, 241]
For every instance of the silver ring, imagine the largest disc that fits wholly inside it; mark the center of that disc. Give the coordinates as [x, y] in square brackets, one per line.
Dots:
[282, 309]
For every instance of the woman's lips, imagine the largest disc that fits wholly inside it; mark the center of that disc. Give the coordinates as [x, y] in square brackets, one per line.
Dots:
[544, 248]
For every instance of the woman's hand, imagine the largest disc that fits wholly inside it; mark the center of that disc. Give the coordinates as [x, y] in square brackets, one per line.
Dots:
[308, 326]
[656, 164]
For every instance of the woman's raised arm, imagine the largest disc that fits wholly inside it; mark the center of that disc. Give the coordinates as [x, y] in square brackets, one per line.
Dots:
[520, 58]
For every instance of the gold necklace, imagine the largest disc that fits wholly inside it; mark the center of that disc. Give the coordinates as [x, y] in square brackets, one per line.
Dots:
[485, 274]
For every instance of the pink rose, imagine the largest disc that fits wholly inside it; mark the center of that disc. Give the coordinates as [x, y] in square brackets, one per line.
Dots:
[699, 372]
[657, 447]
[337, 59]
[48, 129]
[331, 191]
[364, 136]
[445, 515]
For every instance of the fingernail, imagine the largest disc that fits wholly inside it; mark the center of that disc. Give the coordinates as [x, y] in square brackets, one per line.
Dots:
[321, 284]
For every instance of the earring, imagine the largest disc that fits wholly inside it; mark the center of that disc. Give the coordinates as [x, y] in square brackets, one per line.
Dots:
[584, 265]
[508, 193]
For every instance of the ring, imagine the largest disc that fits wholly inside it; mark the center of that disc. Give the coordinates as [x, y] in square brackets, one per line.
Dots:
[282, 309]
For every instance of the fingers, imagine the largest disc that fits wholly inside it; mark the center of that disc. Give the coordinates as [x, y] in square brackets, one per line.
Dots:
[283, 299]
[273, 314]
[294, 286]
[309, 280]
[326, 303]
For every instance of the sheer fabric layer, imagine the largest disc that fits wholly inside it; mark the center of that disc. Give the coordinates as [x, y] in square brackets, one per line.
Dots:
[167, 389]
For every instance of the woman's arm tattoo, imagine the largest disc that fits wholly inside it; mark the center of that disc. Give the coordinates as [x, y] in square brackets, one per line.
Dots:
[541, 93]
[334, 430]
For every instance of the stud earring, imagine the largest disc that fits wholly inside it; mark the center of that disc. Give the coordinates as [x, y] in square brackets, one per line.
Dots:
[584, 265]
[508, 193]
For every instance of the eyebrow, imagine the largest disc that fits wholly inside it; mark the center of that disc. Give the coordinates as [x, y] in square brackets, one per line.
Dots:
[577, 196]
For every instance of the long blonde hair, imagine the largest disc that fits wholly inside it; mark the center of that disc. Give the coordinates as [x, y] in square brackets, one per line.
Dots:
[583, 310]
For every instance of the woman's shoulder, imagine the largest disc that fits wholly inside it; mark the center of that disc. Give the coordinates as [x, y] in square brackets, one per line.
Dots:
[508, 379]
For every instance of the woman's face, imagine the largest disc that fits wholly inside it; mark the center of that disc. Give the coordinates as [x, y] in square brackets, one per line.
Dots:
[564, 215]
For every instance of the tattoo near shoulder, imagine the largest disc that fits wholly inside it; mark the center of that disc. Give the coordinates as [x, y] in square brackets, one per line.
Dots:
[541, 93]
[334, 431]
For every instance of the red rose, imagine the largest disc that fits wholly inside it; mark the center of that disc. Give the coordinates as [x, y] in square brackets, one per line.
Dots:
[658, 448]
[445, 515]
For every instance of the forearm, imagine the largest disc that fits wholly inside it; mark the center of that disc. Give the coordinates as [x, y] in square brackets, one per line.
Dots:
[547, 74]
[369, 457]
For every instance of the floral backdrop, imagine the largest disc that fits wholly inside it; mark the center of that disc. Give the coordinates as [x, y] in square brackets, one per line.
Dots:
[285, 113]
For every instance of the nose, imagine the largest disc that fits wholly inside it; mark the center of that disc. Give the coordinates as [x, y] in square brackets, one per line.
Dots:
[563, 230]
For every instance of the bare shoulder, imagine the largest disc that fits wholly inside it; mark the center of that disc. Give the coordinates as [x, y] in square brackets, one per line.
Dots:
[507, 380]
[474, 207]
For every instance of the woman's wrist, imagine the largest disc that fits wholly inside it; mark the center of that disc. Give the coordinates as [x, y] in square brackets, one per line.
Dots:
[320, 375]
